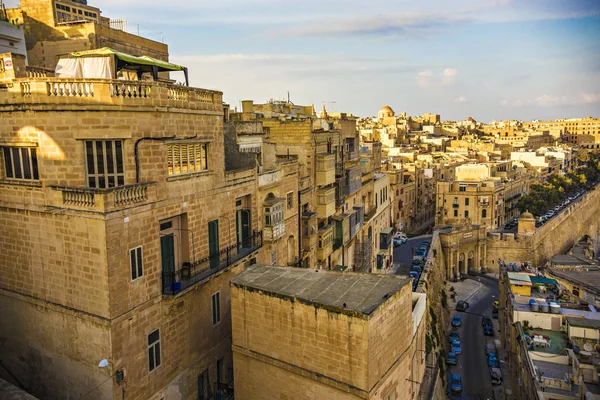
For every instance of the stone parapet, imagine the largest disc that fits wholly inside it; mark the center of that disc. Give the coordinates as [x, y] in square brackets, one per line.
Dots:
[108, 92]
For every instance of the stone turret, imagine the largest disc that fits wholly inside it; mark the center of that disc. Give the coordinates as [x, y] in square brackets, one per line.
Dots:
[526, 223]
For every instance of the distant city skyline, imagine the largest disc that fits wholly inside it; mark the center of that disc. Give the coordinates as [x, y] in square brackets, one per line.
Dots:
[489, 60]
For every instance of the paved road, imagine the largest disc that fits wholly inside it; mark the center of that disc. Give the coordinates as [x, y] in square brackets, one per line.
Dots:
[403, 254]
[472, 363]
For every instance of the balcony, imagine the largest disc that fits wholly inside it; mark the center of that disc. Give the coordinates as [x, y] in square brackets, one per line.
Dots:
[325, 247]
[325, 169]
[109, 92]
[309, 230]
[372, 211]
[192, 273]
[103, 200]
[325, 202]
[268, 179]
[272, 233]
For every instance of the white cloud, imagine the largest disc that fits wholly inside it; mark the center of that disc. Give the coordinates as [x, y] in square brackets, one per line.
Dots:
[449, 76]
[424, 78]
[504, 103]
[461, 99]
[589, 98]
[428, 78]
[550, 101]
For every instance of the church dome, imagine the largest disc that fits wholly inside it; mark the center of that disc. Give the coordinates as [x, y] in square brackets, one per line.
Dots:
[385, 112]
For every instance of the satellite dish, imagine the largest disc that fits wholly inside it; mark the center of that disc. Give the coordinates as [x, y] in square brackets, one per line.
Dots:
[103, 363]
[587, 347]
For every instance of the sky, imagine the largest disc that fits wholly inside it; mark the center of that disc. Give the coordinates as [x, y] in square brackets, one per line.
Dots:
[485, 59]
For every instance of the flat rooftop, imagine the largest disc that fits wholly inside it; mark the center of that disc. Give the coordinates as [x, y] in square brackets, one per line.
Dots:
[345, 292]
[558, 341]
[587, 277]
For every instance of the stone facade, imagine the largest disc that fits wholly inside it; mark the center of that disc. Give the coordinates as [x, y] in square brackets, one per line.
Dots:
[286, 347]
[88, 274]
[48, 38]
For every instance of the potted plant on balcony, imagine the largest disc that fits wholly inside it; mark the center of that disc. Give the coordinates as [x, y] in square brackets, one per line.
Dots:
[186, 270]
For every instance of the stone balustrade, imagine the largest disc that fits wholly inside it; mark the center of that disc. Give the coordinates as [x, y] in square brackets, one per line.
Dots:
[104, 200]
[109, 92]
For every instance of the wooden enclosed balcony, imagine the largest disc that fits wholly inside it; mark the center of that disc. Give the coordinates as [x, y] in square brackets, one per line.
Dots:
[325, 247]
[325, 202]
[325, 169]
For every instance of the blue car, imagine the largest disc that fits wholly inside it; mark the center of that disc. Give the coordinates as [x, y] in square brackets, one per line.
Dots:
[456, 321]
[452, 336]
[488, 330]
[454, 385]
[456, 347]
[493, 360]
[414, 275]
[452, 359]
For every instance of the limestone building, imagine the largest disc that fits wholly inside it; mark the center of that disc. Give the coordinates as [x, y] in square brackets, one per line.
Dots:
[335, 182]
[55, 28]
[483, 194]
[313, 334]
[121, 229]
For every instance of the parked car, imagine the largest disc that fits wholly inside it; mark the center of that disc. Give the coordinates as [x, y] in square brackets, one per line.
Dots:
[401, 237]
[452, 336]
[456, 321]
[496, 376]
[397, 242]
[488, 330]
[455, 387]
[493, 360]
[485, 320]
[452, 359]
[490, 348]
[414, 275]
[456, 347]
[417, 269]
[462, 305]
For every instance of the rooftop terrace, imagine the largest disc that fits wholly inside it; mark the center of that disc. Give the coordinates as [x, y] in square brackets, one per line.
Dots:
[344, 292]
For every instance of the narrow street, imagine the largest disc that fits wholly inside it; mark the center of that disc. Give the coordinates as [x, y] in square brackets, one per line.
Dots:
[472, 363]
[403, 254]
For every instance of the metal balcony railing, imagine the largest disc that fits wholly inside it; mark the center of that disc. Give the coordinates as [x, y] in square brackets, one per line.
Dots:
[191, 273]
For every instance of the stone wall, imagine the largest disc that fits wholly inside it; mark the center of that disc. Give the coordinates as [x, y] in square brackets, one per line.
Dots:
[433, 283]
[556, 236]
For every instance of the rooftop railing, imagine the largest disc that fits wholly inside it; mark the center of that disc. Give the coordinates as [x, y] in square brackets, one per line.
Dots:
[110, 92]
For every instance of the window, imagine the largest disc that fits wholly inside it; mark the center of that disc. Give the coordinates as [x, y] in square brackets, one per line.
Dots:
[153, 350]
[483, 213]
[104, 163]
[21, 163]
[462, 188]
[467, 201]
[135, 259]
[290, 200]
[456, 213]
[187, 158]
[274, 214]
[467, 214]
[220, 362]
[203, 386]
[273, 257]
[216, 308]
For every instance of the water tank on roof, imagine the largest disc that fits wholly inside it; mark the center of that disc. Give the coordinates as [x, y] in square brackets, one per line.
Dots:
[554, 308]
[535, 307]
[545, 307]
